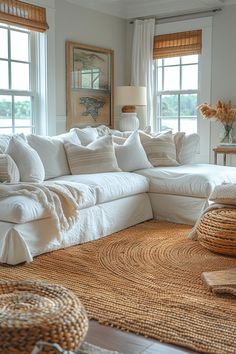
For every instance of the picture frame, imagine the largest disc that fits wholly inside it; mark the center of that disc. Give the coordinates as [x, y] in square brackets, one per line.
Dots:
[89, 85]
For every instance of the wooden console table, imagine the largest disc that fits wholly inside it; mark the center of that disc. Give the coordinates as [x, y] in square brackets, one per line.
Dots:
[225, 151]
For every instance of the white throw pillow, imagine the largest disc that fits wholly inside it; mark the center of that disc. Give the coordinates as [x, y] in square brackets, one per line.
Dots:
[27, 160]
[160, 150]
[5, 139]
[9, 172]
[103, 130]
[69, 137]
[187, 154]
[224, 194]
[96, 157]
[131, 155]
[52, 154]
[179, 140]
[86, 135]
[118, 140]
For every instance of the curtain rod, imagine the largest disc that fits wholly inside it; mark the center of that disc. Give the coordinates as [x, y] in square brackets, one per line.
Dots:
[218, 9]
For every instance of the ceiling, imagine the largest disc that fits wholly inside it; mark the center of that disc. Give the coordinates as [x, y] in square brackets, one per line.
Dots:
[138, 8]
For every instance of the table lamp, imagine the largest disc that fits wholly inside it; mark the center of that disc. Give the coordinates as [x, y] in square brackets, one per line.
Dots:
[129, 97]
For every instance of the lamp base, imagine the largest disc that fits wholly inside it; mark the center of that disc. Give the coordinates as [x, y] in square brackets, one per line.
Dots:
[128, 121]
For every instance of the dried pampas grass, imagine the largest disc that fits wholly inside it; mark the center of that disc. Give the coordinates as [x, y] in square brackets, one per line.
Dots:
[223, 112]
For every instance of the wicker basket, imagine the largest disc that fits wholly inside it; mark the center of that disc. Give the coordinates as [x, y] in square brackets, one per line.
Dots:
[217, 231]
[31, 311]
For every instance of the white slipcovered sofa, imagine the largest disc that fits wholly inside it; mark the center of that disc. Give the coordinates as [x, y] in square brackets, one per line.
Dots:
[112, 200]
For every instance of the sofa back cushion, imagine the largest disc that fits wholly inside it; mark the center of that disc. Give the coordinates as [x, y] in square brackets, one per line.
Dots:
[69, 137]
[86, 135]
[188, 152]
[9, 172]
[5, 139]
[96, 157]
[52, 154]
[27, 160]
[160, 150]
[131, 155]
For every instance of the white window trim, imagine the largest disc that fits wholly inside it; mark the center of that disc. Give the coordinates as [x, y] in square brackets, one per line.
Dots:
[205, 24]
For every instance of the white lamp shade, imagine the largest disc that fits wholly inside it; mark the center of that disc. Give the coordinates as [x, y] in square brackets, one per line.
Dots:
[131, 96]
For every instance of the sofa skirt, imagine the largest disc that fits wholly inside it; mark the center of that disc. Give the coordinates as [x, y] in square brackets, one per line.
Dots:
[177, 208]
[21, 242]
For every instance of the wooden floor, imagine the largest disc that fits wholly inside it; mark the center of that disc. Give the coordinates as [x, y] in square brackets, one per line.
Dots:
[127, 343]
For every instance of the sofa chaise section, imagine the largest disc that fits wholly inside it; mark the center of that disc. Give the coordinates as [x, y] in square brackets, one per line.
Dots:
[180, 193]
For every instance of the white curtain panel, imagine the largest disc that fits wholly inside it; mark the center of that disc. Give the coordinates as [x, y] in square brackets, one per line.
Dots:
[143, 66]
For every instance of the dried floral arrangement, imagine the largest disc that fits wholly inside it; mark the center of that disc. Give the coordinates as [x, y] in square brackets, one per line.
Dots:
[223, 112]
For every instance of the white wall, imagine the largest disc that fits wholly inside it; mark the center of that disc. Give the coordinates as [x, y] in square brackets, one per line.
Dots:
[223, 63]
[79, 24]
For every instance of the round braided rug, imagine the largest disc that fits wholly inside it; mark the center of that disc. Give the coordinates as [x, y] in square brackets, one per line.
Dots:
[217, 231]
[31, 311]
[146, 279]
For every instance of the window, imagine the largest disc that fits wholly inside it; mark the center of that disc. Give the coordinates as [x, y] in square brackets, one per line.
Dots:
[17, 82]
[177, 93]
[202, 61]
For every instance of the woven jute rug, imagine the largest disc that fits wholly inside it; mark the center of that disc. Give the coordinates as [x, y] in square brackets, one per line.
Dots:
[146, 279]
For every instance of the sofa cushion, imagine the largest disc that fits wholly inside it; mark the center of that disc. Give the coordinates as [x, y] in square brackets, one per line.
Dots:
[86, 135]
[111, 186]
[160, 150]
[188, 151]
[52, 154]
[196, 180]
[5, 139]
[69, 137]
[99, 156]
[21, 209]
[27, 160]
[9, 172]
[131, 155]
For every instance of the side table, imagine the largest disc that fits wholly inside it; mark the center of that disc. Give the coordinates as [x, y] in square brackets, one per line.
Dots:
[225, 151]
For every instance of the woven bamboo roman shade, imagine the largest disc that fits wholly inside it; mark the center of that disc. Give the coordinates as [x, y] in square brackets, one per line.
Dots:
[16, 12]
[177, 44]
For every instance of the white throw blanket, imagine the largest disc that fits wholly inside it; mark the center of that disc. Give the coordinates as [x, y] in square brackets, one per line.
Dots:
[223, 196]
[60, 199]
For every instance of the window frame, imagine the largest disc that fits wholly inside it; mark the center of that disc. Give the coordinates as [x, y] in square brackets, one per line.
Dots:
[32, 78]
[46, 120]
[205, 24]
[178, 93]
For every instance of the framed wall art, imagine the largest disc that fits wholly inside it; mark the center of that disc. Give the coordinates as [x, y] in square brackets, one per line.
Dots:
[89, 85]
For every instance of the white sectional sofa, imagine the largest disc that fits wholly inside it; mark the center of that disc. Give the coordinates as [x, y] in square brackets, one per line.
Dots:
[112, 200]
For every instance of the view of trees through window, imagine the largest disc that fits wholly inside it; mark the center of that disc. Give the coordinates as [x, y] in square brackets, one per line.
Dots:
[16, 94]
[177, 85]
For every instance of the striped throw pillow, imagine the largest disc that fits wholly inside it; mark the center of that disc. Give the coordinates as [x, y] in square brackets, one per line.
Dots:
[97, 157]
[160, 150]
[8, 170]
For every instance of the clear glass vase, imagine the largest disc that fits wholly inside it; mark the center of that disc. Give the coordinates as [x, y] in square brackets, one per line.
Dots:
[227, 138]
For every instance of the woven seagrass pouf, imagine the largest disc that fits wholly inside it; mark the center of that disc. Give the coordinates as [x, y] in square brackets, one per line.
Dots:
[217, 231]
[31, 311]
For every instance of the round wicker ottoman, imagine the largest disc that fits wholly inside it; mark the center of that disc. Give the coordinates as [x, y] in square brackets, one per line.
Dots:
[217, 231]
[31, 311]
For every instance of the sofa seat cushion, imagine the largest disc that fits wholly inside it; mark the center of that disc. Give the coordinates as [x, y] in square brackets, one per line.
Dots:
[195, 180]
[111, 185]
[89, 194]
[21, 209]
